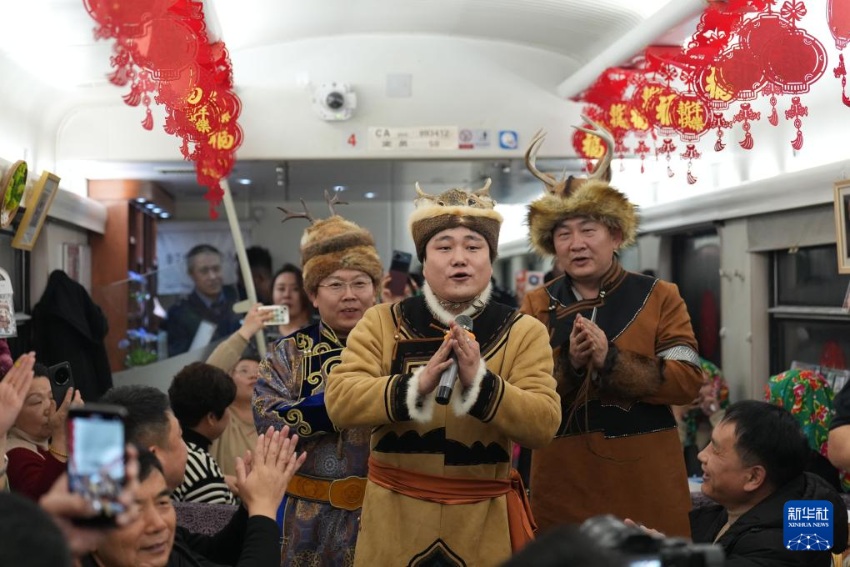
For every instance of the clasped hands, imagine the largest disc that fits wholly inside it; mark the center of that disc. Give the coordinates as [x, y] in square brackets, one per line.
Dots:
[588, 344]
[467, 351]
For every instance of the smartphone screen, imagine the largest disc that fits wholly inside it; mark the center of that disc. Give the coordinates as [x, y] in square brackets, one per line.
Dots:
[281, 314]
[96, 463]
[399, 269]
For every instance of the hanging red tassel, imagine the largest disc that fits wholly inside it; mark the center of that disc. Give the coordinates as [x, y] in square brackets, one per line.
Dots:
[147, 123]
[747, 142]
[796, 111]
[774, 116]
[797, 143]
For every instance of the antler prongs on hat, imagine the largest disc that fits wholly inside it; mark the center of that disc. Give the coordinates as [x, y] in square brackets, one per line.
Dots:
[333, 201]
[598, 130]
[531, 158]
[305, 215]
[485, 190]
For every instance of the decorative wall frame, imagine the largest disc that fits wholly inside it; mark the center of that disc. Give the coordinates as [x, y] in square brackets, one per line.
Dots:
[12, 192]
[38, 203]
[842, 225]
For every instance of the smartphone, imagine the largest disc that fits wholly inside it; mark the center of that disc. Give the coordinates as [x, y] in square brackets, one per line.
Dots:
[281, 314]
[61, 379]
[399, 270]
[97, 460]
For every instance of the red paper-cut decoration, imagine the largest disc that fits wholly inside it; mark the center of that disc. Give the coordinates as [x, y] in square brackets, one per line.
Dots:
[667, 148]
[162, 50]
[838, 18]
[745, 115]
[740, 51]
[641, 150]
[691, 154]
[796, 111]
[772, 90]
[691, 117]
[124, 19]
[840, 72]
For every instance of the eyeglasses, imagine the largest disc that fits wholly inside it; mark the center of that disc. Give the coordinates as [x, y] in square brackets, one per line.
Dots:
[337, 287]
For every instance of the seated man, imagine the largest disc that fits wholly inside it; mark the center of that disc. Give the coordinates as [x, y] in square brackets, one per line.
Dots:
[209, 301]
[152, 538]
[151, 424]
[200, 395]
[752, 467]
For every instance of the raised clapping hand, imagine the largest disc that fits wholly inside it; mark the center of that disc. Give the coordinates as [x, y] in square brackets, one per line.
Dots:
[468, 353]
[262, 476]
[13, 391]
[588, 344]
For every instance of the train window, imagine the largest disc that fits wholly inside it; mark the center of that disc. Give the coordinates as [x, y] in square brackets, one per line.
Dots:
[807, 278]
[808, 323]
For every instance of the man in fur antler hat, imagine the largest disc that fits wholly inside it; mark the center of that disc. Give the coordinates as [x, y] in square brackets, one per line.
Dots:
[441, 490]
[321, 512]
[624, 351]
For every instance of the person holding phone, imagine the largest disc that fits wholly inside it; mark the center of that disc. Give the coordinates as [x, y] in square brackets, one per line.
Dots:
[14, 386]
[154, 539]
[37, 445]
[321, 511]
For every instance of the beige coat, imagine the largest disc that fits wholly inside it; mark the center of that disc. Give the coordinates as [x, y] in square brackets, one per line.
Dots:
[513, 401]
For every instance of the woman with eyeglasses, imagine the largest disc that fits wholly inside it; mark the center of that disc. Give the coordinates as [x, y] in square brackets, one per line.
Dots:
[321, 510]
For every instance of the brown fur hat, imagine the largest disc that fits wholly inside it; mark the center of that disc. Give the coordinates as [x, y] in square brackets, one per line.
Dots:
[595, 199]
[333, 244]
[451, 209]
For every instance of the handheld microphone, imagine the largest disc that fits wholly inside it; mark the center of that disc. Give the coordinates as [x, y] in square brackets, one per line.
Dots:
[447, 380]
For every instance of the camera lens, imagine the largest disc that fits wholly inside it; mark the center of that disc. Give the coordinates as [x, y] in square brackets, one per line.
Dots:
[61, 377]
[335, 100]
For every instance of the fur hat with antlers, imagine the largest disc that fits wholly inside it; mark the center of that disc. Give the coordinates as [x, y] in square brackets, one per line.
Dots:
[571, 197]
[333, 244]
[451, 209]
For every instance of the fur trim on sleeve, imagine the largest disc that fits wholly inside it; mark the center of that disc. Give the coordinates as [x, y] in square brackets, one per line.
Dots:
[421, 408]
[463, 401]
[633, 376]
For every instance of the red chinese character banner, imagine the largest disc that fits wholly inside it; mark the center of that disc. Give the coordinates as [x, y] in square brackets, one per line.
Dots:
[162, 52]
[741, 51]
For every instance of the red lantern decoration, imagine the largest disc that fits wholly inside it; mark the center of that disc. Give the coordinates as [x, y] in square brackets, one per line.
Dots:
[797, 62]
[708, 88]
[125, 19]
[167, 49]
[690, 116]
[740, 72]
[838, 17]
[661, 107]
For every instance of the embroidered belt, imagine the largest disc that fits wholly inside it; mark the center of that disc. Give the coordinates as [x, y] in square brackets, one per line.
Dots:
[343, 493]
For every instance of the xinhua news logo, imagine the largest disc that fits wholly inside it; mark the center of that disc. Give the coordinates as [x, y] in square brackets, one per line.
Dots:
[808, 525]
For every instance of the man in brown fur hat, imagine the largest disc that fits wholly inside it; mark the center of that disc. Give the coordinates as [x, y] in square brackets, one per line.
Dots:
[624, 351]
[441, 490]
[321, 511]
